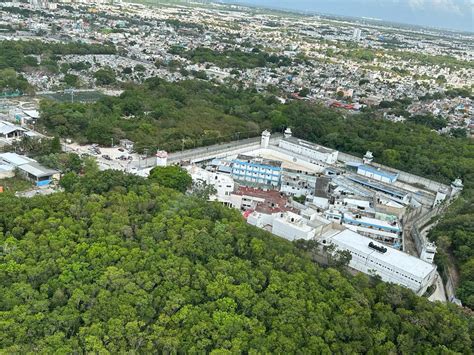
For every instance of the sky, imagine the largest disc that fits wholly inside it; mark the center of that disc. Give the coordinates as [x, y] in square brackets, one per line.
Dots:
[450, 14]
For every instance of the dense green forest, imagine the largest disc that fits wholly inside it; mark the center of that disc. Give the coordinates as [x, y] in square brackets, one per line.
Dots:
[118, 264]
[173, 116]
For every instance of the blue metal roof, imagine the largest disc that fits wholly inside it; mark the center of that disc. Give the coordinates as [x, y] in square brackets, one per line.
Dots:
[376, 171]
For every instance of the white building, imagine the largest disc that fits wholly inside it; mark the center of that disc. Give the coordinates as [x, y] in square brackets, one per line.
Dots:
[456, 187]
[223, 183]
[356, 34]
[291, 226]
[373, 172]
[390, 264]
[161, 158]
[383, 231]
[428, 252]
[298, 182]
[288, 225]
[309, 150]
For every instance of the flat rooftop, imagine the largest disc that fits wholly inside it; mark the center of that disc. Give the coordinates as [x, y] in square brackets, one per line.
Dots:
[274, 200]
[7, 127]
[367, 221]
[307, 144]
[15, 159]
[392, 256]
[258, 161]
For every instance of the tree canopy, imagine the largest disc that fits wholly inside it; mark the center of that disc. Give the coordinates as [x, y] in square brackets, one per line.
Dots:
[121, 265]
[173, 177]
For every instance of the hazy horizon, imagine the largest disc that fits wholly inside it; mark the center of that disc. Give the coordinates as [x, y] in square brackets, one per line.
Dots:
[448, 14]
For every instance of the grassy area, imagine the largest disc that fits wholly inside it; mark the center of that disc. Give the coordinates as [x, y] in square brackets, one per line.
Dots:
[15, 184]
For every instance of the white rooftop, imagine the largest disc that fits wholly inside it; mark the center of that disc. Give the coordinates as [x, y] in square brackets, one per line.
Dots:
[392, 256]
[15, 159]
[307, 144]
[372, 221]
[7, 127]
[32, 113]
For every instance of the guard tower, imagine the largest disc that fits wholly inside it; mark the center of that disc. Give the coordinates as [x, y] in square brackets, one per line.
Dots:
[161, 158]
[440, 196]
[456, 187]
[368, 157]
[265, 141]
[428, 252]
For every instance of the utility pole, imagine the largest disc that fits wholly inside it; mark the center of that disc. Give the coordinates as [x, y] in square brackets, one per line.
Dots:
[70, 91]
[112, 142]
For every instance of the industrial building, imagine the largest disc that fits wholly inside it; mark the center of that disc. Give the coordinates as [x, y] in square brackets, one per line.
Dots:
[390, 264]
[383, 231]
[27, 167]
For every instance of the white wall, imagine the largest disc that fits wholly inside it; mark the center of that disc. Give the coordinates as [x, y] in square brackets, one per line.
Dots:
[283, 227]
[329, 158]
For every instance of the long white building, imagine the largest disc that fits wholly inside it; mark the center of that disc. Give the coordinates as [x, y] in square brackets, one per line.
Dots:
[390, 264]
[309, 150]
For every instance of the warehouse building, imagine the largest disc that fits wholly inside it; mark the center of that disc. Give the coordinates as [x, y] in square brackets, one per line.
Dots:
[28, 168]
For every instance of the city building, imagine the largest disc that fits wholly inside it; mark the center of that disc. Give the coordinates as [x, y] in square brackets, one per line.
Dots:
[383, 231]
[222, 183]
[265, 201]
[391, 192]
[356, 34]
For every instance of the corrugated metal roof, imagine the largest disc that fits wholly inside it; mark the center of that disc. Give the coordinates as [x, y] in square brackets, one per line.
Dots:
[37, 170]
[7, 127]
[379, 172]
[15, 159]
